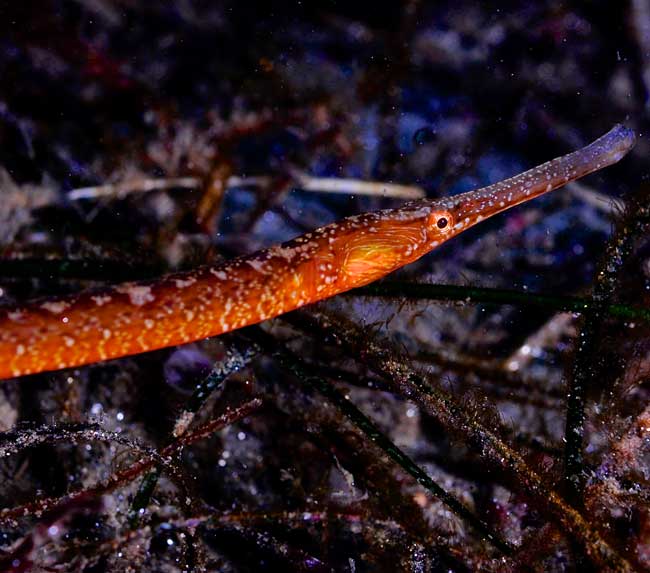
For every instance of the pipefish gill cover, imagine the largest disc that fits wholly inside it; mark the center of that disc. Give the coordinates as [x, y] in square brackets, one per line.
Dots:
[291, 291]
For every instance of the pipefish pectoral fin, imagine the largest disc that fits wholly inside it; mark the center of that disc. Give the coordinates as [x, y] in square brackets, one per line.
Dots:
[363, 262]
[369, 258]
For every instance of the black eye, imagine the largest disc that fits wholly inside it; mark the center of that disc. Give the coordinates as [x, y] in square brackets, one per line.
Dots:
[442, 223]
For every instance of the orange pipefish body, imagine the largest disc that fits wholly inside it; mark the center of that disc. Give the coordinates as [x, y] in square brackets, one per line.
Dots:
[131, 318]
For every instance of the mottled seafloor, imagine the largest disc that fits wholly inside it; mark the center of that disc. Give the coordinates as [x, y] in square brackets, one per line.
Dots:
[139, 137]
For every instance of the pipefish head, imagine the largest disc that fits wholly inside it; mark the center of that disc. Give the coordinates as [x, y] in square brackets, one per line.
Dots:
[371, 245]
[375, 244]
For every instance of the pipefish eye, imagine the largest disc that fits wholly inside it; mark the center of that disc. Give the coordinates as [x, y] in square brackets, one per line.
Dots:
[441, 222]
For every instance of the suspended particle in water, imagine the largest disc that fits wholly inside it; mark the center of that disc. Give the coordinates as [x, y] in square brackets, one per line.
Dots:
[424, 135]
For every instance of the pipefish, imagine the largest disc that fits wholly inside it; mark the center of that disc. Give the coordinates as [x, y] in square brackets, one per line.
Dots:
[131, 318]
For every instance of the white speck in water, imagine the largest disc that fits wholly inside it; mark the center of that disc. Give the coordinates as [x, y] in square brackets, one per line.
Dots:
[513, 365]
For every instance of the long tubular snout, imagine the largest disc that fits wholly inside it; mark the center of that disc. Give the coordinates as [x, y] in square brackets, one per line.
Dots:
[470, 208]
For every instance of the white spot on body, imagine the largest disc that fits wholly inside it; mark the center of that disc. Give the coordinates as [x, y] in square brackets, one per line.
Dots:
[138, 294]
[183, 283]
[222, 275]
[55, 307]
[258, 265]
